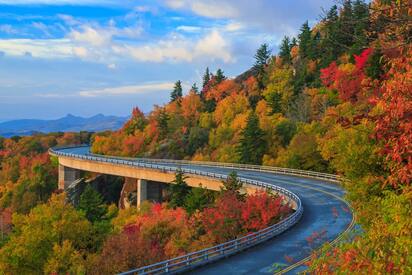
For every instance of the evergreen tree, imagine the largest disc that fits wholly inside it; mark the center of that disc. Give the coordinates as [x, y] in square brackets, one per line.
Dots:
[262, 56]
[346, 25]
[275, 102]
[162, 122]
[329, 43]
[252, 143]
[285, 48]
[305, 41]
[194, 88]
[293, 42]
[219, 77]
[198, 199]
[261, 60]
[210, 105]
[233, 184]
[316, 42]
[92, 204]
[206, 78]
[177, 92]
[361, 26]
[178, 190]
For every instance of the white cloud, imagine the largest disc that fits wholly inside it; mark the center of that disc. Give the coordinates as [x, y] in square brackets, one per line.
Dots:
[180, 48]
[214, 10]
[190, 29]
[129, 90]
[213, 45]
[107, 44]
[273, 16]
[39, 48]
[100, 36]
[233, 27]
[90, 36]
[81, 52]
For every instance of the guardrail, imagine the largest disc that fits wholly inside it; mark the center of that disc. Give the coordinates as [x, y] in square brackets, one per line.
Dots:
[273, 169]
[210, 254]
[277, 170]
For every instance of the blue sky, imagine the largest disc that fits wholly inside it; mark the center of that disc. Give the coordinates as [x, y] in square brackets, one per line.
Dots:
[105, 56]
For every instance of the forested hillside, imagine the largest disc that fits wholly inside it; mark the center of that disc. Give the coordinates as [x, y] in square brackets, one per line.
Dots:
[336, 98]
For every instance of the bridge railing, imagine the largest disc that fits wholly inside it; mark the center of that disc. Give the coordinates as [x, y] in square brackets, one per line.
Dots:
[273, 169]
[210, 254]
[277, 170]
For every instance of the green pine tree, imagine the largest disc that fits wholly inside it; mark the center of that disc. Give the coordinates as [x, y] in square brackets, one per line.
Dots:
[178, 190]
[285, 48]
[305, 41]
[177, 92]
[194, 88]
[219, 77]
[361, 27]
[346, 25]
[162, 122]
[92, 204]
[261, 60]
[198, 199]
[252, 144]
[206, 78]
[329, 43]
[233, 184]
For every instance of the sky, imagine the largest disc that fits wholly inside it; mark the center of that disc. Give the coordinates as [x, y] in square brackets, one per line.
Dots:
[86, 57]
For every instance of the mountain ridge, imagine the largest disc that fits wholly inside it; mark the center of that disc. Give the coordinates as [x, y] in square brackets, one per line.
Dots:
[68, 123]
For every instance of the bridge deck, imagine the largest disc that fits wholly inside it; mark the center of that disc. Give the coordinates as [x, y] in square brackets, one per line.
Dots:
[326, 215]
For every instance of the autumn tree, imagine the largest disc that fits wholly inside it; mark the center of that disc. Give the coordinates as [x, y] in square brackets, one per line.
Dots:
[30, 249]
[136, 122]
[279, 89]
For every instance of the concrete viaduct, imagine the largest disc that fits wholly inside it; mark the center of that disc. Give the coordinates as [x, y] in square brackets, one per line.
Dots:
[147, 183]
[283, 248]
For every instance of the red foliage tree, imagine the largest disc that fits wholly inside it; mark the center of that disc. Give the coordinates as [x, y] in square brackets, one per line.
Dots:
[223, 221]
[261, 210]
[347, 80]
[394, 124]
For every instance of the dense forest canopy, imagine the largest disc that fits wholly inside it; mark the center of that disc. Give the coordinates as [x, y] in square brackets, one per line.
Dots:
[336, 98]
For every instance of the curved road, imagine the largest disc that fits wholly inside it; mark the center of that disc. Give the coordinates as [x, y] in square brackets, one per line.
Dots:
[325, 217]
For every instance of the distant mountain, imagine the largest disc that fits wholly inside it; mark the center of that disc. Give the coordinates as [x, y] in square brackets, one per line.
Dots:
[69, 123]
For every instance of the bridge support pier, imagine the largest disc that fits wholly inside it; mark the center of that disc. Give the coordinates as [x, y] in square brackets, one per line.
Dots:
[136, 191]
[139, 187]
[141, 191]
[67, 176]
